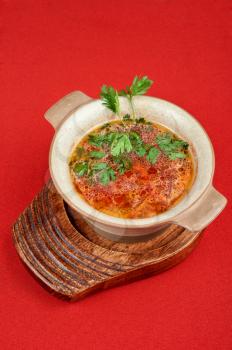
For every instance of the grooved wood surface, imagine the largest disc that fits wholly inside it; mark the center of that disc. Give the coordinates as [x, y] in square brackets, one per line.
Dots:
[71, 260]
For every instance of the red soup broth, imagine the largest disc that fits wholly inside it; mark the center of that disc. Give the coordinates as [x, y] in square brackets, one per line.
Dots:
[140, 187]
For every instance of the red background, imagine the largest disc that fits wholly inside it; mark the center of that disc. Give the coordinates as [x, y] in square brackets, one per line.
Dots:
[50, 48]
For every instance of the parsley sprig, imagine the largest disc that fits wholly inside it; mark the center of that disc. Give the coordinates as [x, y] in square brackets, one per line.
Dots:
[110, 99]
[81, 169]
[121, 144]
[153, 155]
[105, 173]
[138, 87]
[124, 164]
[172, 147]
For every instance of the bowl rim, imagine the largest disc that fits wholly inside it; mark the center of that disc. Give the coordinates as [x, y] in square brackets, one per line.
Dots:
[126, 222]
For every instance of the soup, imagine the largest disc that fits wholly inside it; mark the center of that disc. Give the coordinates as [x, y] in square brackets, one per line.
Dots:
[132, 168]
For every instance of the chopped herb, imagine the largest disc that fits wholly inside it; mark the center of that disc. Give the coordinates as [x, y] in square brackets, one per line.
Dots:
[81, 168]
[126, 117]
[121, 144]
[99, 166]
[109, 138]
[140, 121]
[124, 164]
[175, 155]
[138, 144]
[140, 150]
[96, 140]
[106, 176]
[153, 154]
[97, 154]
[110, 99]
[171, 146]
[135, 138]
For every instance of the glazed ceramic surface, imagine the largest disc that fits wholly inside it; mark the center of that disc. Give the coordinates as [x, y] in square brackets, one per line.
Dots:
[76, 115]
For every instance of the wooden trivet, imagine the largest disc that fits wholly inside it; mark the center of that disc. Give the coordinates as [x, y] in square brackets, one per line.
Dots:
[73, 261]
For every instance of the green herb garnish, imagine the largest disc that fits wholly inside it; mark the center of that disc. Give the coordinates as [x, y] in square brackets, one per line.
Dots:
[140, 150]
[110, 99]
[99, 166]
[124, 164]
[135, 137]
[81, 168]
[121, 144]
[138, 144]
[171, 147]
[126, 117]
[97, 154]
[107, 175]
[142, 121]
[117, 146]
[96, 140]
[152, 155]
[139, 86]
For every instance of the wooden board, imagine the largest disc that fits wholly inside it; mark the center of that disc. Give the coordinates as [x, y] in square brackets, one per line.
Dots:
[72, 261]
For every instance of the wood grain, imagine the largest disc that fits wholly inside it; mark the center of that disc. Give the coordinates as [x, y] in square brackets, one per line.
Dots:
[72, 261]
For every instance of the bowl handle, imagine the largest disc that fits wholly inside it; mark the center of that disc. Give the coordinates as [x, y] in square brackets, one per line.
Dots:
[203, 212]
[56, 113]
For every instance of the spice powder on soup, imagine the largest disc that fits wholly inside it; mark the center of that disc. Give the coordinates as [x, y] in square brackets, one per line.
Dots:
[132, 168]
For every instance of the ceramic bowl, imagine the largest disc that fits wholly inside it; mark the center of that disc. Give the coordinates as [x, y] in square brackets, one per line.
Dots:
[76, 114]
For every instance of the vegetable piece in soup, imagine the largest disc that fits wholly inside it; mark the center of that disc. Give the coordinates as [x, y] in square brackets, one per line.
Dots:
[132, 168]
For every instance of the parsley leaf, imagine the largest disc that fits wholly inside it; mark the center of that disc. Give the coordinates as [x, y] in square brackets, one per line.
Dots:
[109, 98]
[140, 150]
[99, 166]
[106, 176]
[140, 85]
[124, 164]
[109, 138]
[152, 155]
[96, 140]
[175, 155]
[81, 168]
[142, 121]
[121, 144]
[135, 138]
[171, 147]
[97, 154]
[126, 117]
[138, 144]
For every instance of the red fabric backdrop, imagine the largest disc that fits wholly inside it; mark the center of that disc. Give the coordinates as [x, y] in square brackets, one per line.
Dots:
[49, 48]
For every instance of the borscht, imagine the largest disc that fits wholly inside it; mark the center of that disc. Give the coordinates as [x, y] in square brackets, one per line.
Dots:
[132, 168]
